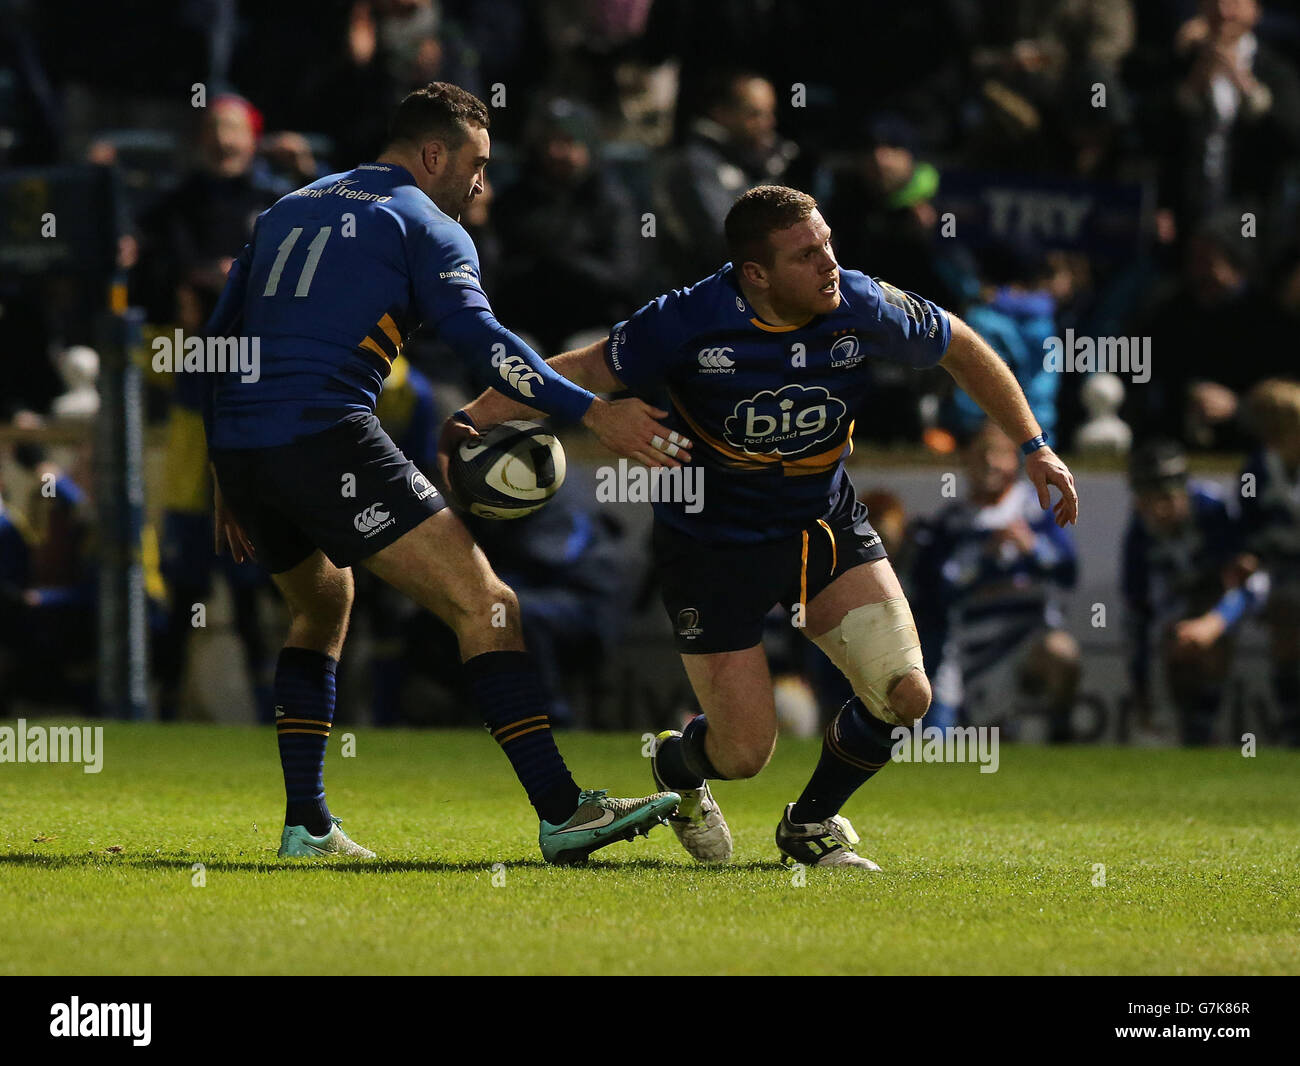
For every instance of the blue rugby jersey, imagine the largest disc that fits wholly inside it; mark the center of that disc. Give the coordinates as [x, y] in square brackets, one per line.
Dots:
[337, 274]
[770, 408]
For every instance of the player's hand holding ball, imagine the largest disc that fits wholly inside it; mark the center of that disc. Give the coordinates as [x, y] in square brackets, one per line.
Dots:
[508, 471]
[455, 431]
[630, 428]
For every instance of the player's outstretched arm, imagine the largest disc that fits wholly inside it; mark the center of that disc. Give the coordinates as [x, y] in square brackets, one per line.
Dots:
[583, 366]
[629, 428]
[988, 381]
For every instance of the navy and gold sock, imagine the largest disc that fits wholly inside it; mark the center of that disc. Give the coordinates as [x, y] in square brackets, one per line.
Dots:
[508, 689]
[856, 745]
[683, 762]
[304, 712]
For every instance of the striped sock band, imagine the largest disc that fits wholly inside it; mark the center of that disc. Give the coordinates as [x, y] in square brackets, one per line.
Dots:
[508, 690]
[304, 712]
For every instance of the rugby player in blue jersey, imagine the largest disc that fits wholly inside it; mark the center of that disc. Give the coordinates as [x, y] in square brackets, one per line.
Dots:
[759, 366]
[336, 276]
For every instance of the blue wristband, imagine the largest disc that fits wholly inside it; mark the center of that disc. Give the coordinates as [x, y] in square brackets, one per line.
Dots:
[1033, 444]
[461, 416]
[1232, 606]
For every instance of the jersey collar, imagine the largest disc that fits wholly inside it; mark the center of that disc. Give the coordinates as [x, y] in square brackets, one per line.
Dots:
[745, 311]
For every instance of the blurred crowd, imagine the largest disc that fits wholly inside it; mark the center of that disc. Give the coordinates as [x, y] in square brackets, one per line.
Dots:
[1045, 168]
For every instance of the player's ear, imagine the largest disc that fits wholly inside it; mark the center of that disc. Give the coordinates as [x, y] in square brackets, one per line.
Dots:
[430, 153]
[754, 273]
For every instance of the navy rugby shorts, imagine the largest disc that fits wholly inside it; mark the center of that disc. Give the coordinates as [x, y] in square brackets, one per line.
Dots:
[298, 497]
[717, 595]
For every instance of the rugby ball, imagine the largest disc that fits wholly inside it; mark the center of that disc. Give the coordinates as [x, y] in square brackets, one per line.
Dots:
[511, 470]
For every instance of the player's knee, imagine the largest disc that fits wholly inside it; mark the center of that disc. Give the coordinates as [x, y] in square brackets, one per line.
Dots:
[327, 604]
[489, 603]
[746, 760]
[909, 696]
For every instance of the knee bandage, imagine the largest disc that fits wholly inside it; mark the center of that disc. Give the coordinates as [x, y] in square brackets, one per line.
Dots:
[873, 646]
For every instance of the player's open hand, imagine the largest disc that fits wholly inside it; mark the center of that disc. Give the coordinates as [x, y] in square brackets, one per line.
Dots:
[226, 530]
[630, 428]
[1044, 468]
[455, 432]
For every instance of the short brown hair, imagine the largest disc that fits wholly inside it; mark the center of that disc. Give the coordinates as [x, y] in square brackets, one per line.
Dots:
[1273, 409]
[438, 111]
[757, 214]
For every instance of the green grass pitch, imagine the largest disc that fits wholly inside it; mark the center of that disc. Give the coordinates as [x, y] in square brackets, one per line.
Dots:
[985, 873]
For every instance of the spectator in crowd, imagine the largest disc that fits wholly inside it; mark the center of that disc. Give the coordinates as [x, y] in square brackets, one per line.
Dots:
[191, 237]
[48, 588]
[1214, 311]
[884, 222]
[1270, 540]
[1042, 42]
[1016, 314]
[1033, 59]
[881, 211]
[1236, 113]
[1180, 610]
[986, 575]
[568, 564]
[290, 159]
[732, 145]
[569, 233]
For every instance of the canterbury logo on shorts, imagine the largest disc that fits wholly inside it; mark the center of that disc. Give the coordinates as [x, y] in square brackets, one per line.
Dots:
[372, 519]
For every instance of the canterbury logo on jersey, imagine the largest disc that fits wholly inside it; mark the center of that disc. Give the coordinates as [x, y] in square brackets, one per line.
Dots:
[786, 422]
[716, 361]
[372, 519]
[519, 374]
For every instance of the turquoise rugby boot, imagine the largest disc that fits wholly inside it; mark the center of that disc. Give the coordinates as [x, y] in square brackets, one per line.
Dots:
[600, 820]
[297, 843]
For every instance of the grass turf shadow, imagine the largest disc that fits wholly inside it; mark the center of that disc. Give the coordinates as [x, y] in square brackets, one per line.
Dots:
[87, 860]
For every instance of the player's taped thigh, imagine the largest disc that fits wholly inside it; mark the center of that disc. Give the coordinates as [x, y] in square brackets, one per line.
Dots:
[873, 646]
